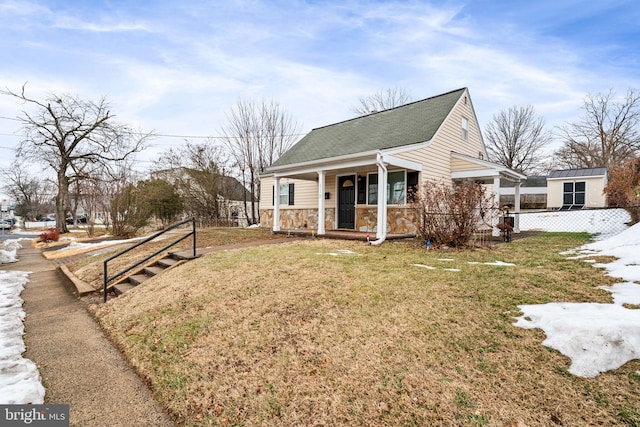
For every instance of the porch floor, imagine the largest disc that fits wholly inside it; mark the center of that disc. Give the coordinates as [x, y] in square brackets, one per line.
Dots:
[362, 236]
[343, 234]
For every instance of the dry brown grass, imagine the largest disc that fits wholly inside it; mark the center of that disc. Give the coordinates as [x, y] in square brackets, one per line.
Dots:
[302, 334]
[90, 269]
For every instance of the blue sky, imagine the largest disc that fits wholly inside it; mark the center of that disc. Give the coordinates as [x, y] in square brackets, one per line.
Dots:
[178, 67]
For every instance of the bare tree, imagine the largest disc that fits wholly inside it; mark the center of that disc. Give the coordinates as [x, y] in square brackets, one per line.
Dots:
[606, 135]
[69, 134]
[32, 195]
[256, 135]
[515, 138]
[382, 100]
[199, 173]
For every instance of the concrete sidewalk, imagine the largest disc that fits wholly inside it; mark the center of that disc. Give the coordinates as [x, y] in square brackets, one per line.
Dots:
[79, 366]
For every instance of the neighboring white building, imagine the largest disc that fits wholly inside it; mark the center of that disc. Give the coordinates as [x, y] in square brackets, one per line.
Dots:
[577, 188]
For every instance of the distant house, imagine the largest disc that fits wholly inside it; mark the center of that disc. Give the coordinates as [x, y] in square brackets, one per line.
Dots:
[231, 197]
[357, 174]
[576, 188]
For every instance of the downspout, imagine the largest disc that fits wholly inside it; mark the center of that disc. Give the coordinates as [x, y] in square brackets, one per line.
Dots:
[382, 201]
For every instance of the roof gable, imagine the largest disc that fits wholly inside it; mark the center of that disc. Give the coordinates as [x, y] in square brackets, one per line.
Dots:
[408, 124]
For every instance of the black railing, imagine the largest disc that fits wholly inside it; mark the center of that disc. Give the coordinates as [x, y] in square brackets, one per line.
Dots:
[108, 279]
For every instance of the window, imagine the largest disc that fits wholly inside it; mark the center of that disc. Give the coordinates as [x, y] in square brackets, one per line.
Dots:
[573, 193]
[465, 128]
[396, 188]
[412, 186]
[362, 190]
[286, 194]
[373, 189]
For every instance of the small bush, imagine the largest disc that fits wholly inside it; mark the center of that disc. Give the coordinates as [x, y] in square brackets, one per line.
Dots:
[451, 215]
[49, 235]
[623, 189]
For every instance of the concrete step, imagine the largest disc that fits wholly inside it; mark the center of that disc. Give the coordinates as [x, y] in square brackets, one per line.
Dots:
[183, 255]
[153, 270]
[136, 279]
[148, 272]
[121, 288]
[167, 262]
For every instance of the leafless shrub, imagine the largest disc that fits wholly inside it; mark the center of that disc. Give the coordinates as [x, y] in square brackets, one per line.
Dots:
[451, 215]
[623, 189]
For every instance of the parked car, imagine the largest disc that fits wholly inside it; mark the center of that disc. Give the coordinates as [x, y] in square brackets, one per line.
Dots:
[5, 225]
[82, 219]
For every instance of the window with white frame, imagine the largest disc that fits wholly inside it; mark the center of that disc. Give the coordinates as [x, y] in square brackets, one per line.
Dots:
[573, 193]
[396, 194]
[465, 128]
[285, 194]
[396, 188]
[372, 189]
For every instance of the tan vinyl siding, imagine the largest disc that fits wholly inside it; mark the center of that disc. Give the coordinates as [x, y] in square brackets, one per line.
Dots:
[305, 193]
[266, 192]
[463, 165]
[436, 158]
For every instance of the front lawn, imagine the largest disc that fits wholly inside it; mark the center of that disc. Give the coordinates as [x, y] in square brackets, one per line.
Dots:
[327, 332]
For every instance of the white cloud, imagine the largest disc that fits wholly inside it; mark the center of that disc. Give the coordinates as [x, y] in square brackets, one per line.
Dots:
[179, 67]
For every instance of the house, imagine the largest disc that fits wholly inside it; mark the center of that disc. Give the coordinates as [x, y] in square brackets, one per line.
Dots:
[232, 199]
[355, 174]
[576, 188]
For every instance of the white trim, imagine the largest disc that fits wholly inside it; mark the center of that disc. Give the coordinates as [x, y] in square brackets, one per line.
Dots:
[401, 163]
[494, 221]
[577, 178]
[276, 203]
[381, 227]
[321, 191]
[329, 162]
[349, 164]
[475, 173]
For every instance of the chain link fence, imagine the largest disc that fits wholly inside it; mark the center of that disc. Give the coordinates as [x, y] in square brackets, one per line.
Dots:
[602, 223]
[493, 226]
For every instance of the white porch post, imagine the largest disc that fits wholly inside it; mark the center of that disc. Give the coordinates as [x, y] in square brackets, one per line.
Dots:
[496, 190]
[381, 227]
[516, 207]
[321, 186]
[276, 203]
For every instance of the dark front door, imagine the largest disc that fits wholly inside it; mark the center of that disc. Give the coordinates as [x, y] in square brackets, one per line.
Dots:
[347, 201]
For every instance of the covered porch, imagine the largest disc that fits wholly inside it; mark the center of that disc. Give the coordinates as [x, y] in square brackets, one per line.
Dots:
[353, 193]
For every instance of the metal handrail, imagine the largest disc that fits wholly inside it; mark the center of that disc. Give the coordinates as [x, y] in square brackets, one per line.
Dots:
[108, 279]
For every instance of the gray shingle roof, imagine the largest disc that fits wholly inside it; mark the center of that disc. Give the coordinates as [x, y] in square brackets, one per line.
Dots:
[408, 124]
[576, 173]
[530, 182]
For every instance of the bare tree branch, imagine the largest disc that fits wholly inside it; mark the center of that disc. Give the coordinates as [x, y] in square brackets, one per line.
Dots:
[607, 134]
[516, 138]
[382, 100]
[256, 135]
[68, 134]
